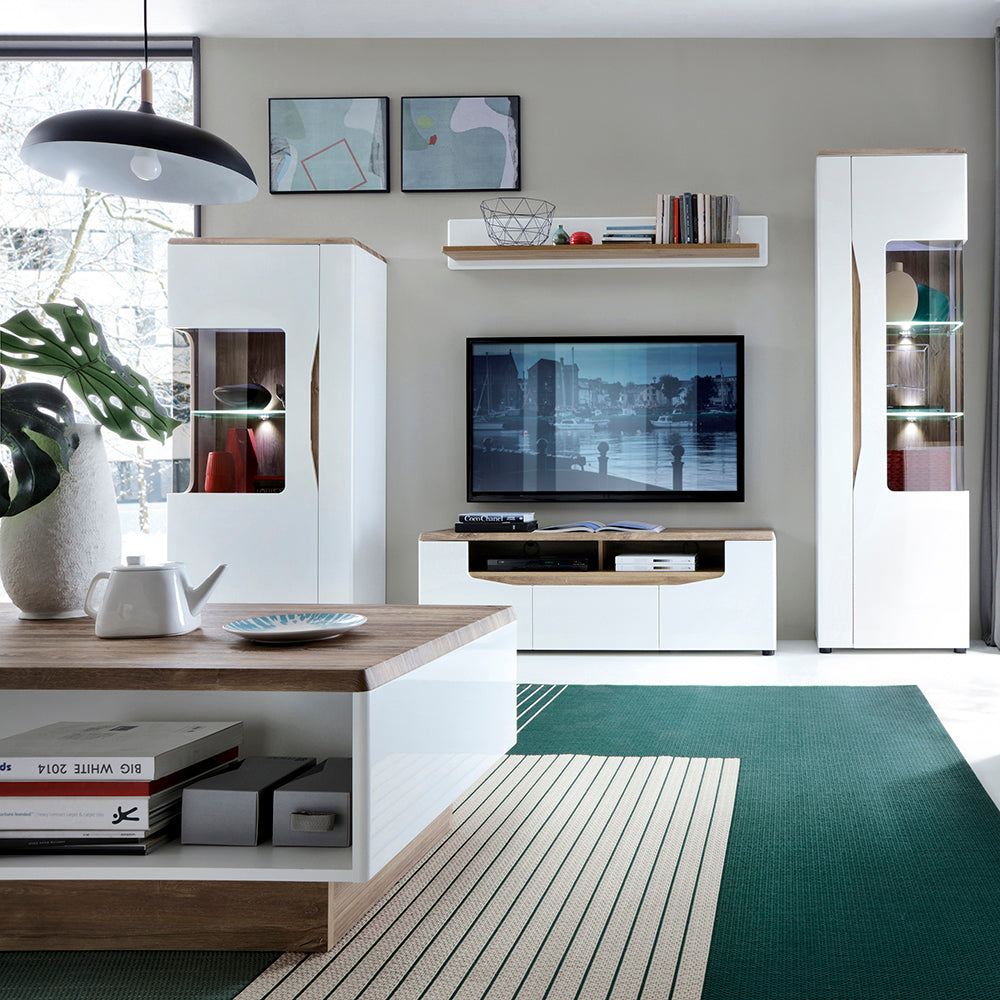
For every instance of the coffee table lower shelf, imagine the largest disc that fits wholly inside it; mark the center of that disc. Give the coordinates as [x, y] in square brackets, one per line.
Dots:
[165, 915]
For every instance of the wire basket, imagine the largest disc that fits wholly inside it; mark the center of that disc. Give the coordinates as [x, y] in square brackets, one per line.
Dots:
[517, 221]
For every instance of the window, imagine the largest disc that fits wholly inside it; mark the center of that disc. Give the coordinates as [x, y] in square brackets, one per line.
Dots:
[58, 243]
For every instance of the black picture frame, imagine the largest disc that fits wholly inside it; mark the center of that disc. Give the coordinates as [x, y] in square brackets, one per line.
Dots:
[344, 141]
[482, 154]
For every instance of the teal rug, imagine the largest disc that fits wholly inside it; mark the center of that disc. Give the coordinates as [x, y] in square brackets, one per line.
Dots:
[864, 855]
[863, 859]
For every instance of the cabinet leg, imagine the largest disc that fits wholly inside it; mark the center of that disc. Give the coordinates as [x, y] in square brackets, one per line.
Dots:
[957, 650]
[826, 649]
[767, 652]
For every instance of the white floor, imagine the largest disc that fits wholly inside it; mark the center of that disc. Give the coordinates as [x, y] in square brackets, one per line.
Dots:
[963, 689]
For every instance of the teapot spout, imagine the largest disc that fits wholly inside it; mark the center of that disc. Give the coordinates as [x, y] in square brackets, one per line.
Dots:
[196, 596]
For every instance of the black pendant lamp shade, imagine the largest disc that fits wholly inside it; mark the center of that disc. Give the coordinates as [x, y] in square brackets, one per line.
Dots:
[138, 154]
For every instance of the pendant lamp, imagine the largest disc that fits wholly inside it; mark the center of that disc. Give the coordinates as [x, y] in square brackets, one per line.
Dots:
[138, 154]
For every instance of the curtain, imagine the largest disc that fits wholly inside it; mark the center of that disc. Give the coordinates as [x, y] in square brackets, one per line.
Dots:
[989, 556]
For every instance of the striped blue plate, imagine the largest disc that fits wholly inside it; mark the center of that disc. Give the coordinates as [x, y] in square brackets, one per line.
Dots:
[304, 627]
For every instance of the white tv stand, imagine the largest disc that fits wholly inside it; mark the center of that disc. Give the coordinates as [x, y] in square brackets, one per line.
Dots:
[728, 603]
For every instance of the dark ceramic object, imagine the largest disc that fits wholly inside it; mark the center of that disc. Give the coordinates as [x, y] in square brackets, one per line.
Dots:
[249, 396]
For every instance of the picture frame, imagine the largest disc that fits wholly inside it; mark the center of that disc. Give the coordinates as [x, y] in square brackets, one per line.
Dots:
[328, 145]
[460, 143]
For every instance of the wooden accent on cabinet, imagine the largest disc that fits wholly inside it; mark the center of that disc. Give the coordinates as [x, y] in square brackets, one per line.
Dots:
[604, 251]
[125, 915]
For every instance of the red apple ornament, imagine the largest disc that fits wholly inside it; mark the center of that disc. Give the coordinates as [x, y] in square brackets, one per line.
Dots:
[581, 238]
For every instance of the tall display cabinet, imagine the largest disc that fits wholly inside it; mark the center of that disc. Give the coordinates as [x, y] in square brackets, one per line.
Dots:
[892, 532]
[281, 345]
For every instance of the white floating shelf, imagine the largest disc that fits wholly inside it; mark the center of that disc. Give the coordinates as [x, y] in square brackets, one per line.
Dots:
[469, 248]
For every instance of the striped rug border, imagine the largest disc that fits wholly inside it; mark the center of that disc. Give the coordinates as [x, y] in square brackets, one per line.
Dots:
[532, 699]
[564, 876]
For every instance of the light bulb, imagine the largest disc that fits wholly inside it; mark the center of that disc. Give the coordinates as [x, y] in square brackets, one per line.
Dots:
[146, 165]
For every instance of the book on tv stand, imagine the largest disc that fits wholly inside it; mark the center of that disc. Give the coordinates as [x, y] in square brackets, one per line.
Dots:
[601, 526]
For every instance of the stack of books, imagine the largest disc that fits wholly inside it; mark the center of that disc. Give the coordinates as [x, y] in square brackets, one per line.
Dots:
[104, 787]
[629, 234]
[697, 218]
[639, 563]
[499, 521]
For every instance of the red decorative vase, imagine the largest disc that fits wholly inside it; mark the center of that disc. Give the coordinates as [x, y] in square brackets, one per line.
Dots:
[240, 444]
[581, 238]
[220, 472]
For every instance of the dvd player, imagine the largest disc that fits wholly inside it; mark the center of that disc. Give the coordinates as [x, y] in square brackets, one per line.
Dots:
[538, 563]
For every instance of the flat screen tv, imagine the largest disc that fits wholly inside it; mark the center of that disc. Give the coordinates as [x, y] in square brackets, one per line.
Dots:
[656, 418]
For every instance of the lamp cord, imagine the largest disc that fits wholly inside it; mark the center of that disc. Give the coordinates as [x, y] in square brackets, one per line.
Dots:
[145, 36]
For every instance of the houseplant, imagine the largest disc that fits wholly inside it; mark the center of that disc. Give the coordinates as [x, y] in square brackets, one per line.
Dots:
[58, 520]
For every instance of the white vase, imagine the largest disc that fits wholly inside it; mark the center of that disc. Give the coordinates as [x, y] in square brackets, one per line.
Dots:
[900, 295]
[50, 552]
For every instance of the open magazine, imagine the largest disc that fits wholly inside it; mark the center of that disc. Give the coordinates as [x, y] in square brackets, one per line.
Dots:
[601, 526]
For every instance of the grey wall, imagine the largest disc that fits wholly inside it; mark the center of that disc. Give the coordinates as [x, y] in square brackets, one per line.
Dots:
[606, 125]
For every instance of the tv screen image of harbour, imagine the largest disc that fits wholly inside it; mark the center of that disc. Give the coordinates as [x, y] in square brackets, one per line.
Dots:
[626, 416]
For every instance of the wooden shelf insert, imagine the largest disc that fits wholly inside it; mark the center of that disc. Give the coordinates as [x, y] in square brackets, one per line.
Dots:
[598, 577]
[604, 251]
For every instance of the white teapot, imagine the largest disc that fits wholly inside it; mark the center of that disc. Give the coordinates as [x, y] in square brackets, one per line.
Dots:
[142, 600]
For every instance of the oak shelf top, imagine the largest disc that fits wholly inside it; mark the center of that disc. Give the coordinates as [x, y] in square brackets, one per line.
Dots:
[667, 535]
[248, 241]
[603, 251]
[67, 655]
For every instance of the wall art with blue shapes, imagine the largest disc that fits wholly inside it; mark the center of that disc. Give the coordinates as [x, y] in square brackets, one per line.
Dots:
[461, 143]
[328, 144]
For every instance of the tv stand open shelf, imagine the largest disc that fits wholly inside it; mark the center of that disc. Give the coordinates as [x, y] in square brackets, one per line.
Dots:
[727, 603]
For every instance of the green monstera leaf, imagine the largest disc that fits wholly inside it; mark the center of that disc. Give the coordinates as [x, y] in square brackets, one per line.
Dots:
[118, 397]
[31, 415]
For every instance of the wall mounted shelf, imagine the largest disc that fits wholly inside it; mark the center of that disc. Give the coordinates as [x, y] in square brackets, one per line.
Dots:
[469, 248]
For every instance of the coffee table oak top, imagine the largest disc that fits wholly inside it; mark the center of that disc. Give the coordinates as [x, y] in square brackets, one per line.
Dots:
[67, 655]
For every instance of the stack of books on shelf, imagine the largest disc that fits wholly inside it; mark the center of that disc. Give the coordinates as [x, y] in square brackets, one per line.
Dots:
[104, 787]
[629, 234]
[639, 563]
[499, 521]
[697, 218]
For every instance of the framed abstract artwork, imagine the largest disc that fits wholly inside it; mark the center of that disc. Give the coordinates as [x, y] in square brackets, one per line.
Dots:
[461, 143]
[320, 144]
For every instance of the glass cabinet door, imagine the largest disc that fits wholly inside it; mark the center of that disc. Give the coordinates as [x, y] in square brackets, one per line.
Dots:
[235, 438]
[924, 378]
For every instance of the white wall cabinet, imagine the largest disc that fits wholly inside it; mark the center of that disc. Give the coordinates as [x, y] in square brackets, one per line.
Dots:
[892, 534]
[305, 319]
[727, 603]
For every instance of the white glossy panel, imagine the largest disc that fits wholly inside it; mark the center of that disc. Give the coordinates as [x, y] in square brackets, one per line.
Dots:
[735, 611]
[351, 533]
[423, 739]
[237, 287]
[912, 588]
[911, 550]
[444, 579]
[834, 404]
[588, 617]
[265, 561]
[472, 232]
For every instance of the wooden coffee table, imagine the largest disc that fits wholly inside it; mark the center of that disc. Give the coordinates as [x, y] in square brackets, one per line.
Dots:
[422, 698]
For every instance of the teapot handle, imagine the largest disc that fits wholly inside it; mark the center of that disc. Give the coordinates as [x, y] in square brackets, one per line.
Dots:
[87, 606]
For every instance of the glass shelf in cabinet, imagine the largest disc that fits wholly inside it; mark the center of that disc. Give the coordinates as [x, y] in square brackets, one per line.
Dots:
[909, 413]
[925, 327]
[257, 414]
